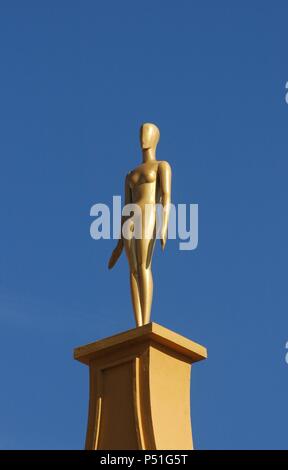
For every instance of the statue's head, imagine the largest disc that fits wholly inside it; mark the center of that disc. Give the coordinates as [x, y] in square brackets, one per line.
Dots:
[149, 135]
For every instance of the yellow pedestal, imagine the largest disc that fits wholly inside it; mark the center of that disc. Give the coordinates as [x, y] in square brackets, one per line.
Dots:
[140, 389]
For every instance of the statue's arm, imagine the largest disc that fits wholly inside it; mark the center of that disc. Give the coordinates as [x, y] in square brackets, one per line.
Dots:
[165, 173]
[116, 253]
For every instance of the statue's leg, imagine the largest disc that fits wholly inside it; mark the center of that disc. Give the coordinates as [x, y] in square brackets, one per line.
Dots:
[146, 291]
[130, 250]
[134, 287]
[143, 253]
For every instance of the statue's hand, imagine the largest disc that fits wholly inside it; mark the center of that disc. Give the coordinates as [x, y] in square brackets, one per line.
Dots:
[116, 253]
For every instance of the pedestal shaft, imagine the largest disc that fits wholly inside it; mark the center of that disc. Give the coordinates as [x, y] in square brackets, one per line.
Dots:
[140, 389]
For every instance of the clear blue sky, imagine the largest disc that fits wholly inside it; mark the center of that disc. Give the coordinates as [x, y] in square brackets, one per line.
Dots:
[77, 80]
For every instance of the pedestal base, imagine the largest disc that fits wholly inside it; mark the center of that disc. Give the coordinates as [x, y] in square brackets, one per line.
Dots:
[140, 389]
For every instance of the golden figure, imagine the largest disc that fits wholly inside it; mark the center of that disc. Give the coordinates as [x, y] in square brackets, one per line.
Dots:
[147, 185]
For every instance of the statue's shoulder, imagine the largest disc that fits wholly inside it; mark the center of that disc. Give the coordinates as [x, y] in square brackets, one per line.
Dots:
[164, 166]
[133, 170]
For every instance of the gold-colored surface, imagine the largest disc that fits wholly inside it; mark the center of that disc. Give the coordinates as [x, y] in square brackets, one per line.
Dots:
[146, 185]
[140, 389]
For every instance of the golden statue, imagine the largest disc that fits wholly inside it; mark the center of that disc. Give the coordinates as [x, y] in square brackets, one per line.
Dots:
[140, 379]
[147, 185]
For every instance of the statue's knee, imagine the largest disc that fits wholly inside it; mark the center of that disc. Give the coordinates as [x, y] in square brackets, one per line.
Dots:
[143, 267]
[134, 272]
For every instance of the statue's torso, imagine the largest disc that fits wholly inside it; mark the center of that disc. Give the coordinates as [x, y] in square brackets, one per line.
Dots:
[143, 183]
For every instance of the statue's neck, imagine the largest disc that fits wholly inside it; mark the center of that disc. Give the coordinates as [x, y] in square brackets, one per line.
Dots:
[148, 155]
